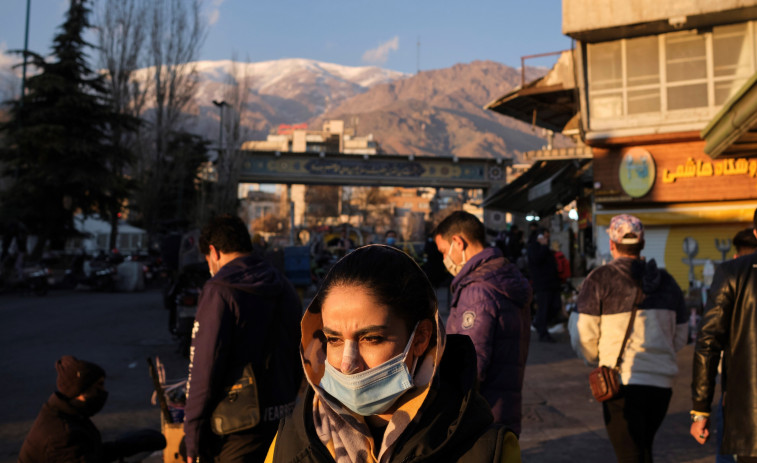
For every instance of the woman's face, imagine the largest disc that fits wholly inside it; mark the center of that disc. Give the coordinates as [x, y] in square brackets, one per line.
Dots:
[360, 332]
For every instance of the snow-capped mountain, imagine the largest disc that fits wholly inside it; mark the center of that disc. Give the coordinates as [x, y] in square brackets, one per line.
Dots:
[286, 91]
[437, 112]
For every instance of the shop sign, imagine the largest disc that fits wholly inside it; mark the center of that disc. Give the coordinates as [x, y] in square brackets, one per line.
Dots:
[692, 169]
[637, 172]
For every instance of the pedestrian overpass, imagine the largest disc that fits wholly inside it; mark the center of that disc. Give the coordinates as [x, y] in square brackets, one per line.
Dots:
[372, 170]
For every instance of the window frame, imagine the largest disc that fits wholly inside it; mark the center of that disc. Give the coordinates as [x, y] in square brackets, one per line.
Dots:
[665, 115]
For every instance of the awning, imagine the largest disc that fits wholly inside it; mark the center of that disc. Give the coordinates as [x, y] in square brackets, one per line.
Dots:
[733, 131]
[548, 102]
[540, 189]
[685, 213]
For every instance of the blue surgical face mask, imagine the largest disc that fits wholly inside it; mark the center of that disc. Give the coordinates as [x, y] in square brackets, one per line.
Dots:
[373, 391]
[391, 240]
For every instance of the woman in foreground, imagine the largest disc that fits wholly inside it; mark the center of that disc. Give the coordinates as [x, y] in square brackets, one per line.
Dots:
[384, 382]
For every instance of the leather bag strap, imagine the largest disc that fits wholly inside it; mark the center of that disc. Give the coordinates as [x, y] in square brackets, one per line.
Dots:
[628, 328]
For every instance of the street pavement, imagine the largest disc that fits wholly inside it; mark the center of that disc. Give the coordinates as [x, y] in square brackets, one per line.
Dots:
[118, 331]
[561, 423]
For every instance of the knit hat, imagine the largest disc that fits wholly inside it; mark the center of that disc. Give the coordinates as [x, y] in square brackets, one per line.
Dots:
[76, 376]
[623, 225]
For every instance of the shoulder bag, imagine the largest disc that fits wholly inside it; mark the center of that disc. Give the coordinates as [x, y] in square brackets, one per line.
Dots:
[240, 407]
[605, 381]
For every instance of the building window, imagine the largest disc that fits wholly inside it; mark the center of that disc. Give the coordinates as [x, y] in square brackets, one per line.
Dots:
[732, 60]
[643, 84]
[649, 80]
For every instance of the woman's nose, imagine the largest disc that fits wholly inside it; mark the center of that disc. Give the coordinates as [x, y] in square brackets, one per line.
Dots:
[351, 362]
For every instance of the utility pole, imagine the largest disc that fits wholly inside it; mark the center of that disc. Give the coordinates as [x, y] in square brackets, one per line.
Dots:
[26, 48]
[220, 105]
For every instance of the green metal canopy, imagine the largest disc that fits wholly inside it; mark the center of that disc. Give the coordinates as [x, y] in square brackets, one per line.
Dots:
[733, 131]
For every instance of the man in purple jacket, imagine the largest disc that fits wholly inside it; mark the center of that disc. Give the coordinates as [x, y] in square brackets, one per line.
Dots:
[234, 328]
[490, 302]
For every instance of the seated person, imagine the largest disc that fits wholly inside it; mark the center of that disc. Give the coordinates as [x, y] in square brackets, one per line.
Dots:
[63, 430]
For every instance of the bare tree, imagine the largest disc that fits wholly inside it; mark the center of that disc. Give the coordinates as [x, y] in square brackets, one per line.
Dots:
[121, 38]
[372, 205]
[176, 32]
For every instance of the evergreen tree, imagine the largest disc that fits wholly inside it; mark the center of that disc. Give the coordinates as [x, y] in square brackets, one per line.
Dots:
[57, 156]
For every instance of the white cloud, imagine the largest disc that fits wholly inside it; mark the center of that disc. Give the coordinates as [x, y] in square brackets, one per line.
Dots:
[380, 54]
[215, 11]
[10, 80]
[8, 60]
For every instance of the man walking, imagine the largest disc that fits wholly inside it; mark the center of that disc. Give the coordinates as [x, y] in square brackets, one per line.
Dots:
[248, 315]
[490, 302]
[542, 267]
[729, 326]
[632, 290]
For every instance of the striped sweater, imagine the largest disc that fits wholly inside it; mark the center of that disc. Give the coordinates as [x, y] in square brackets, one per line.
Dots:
[605, 302]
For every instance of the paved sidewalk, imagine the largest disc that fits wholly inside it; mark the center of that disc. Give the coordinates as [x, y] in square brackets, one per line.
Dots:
[563, 423]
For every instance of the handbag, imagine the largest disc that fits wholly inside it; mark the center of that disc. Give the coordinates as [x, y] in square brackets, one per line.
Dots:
[240, 408]
[605, 381]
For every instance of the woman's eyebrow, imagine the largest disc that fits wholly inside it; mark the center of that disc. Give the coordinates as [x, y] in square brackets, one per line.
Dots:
[361, 332]
[370, 329]
[330, 332]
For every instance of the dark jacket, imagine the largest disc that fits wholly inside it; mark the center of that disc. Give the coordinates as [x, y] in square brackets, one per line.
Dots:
[231, 326]
[490, 302]
[729, 325]
[61, 434]
[453, 424]
[542, 267]
[660, 328]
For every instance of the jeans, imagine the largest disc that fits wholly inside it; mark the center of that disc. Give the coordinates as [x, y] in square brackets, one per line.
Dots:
[720, 458]
[632, 420]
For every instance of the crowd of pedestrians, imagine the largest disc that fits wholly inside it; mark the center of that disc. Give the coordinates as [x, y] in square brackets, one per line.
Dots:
[371, 373]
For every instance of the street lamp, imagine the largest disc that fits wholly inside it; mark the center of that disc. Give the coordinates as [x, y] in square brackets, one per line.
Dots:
[220, 105]
[26, 48]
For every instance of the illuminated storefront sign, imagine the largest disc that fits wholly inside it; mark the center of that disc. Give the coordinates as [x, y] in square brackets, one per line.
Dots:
[692, 168]
[637, 172]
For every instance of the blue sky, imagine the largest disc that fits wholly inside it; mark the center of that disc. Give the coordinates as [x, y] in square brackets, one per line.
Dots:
[348, 32]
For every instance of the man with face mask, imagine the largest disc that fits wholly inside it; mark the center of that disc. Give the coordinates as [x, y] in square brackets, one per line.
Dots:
[63, 430]
[244, 301]
[490, 302]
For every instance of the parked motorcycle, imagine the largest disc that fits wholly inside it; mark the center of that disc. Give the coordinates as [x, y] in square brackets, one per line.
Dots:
[32, 280]
[181, 300]
[99, 274]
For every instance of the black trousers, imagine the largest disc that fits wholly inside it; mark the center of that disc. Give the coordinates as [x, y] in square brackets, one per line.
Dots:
[548, 302]
[241, 447]
[632, 420]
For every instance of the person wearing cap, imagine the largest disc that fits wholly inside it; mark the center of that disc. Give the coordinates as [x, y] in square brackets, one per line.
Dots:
[606, 301]
[64, 431]
[728, 327]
